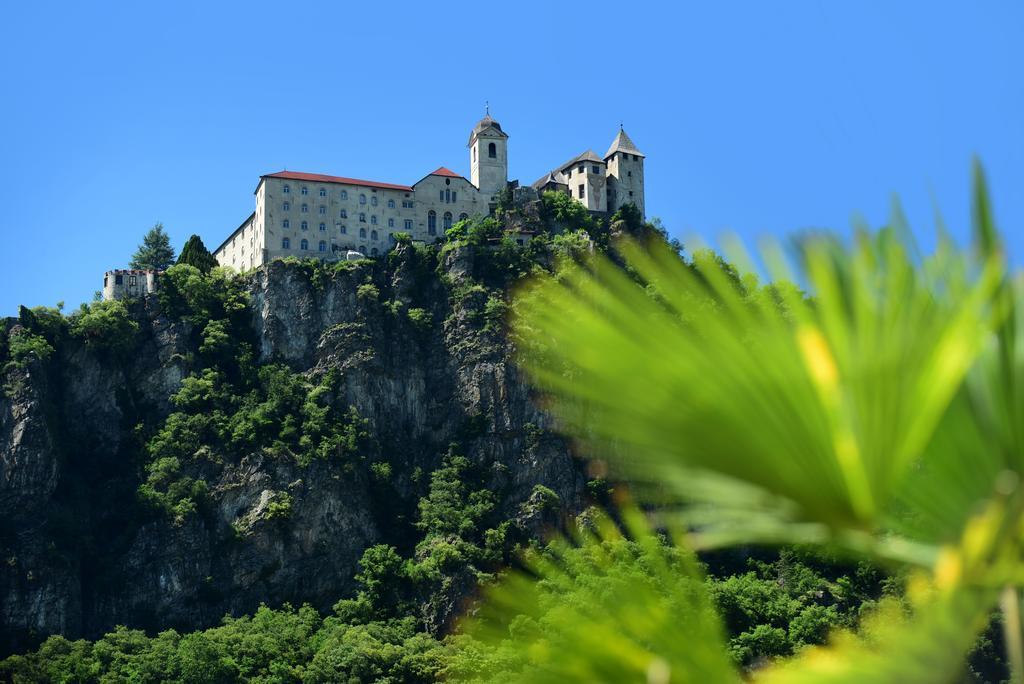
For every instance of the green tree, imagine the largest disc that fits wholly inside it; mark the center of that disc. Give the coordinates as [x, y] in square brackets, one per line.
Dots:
[195, 253]
[155, 252]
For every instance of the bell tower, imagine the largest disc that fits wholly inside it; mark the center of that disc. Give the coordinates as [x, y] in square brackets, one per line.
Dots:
[488, 157]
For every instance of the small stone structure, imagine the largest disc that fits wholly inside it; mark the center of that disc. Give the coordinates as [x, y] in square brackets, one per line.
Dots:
[123, 283]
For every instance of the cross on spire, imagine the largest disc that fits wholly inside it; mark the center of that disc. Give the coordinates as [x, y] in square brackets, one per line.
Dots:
[487, 107]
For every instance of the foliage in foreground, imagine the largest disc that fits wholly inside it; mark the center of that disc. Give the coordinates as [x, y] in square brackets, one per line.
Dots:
[880, 419]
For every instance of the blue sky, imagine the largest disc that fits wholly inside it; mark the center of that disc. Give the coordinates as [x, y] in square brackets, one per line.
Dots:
[758, 118]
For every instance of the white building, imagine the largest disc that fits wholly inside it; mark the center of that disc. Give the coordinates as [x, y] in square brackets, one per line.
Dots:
[123, 283]
[315, 215]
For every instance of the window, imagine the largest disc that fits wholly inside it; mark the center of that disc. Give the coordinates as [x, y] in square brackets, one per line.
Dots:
[581, 168]
[391, 204]
[391, 223]
[304, 245]
[362, 218]
[323, 193]
[322, 246]
[629, 173]
[408, 224]
[581, 190]
[286, 243]
[286, 190]
[344, 230]
[463, 216]
[373, 235]
[323, 210]
[362, 199]
[362, 234]
[118, 279]
[454, 198]
[305, 225]
[447, 220]
[305, 208]
[595, 169]
[373, 200]
[568, 173]
[362, 248]
[323, 226]
[344, 214]
[305, 191]
[448, 196]
[630, 193]
[373, 219]
[407, 204]
[286, 206]
[441, 199]
[492, 150]
[286, 224]
[133, 280]
[374, 252]
[474, 154]
[344, 194]
[432, 222]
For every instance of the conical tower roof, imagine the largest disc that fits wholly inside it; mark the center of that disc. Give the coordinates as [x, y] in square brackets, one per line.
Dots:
[622, 143]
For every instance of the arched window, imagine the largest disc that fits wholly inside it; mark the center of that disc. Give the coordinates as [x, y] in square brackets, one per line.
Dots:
[323, 246]
[304, 245]
[447, 220]
[305, 208]
[373, 200]
[391, 223]
[323, 193]
[286, 206]
[463, 216]
[362, 232]
[286, 190]
[373, 219]
[286, 243]
[362, 199]
[373, 235]
[362, 248]
[492, 151]
[432, 222]
[344, 194]
[323, 226]
[305, 191]
[286, 223]
[304, 225]
[362, 218]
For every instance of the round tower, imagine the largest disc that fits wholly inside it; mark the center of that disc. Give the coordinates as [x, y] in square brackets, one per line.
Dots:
[488, 158]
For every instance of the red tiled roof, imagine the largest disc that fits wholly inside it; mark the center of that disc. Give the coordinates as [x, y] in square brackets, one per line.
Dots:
[442, 171]
[322, 178]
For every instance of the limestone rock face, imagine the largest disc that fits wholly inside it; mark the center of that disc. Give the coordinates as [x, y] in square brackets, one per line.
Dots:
[76, 560]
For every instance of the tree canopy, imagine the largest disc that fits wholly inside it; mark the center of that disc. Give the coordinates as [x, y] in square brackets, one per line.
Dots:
[155, 252]
[195, 254]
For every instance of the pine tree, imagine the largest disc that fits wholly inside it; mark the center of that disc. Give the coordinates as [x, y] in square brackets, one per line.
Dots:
[195, 253]
[155, 252]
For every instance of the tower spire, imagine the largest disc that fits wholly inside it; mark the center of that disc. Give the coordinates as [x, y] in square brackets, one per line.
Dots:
[487, 107]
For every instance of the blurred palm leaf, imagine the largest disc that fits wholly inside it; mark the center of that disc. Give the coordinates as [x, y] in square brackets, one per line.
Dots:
[801, 418]
[882, 416]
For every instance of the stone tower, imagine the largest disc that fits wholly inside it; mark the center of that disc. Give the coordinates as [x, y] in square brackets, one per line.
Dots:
[625, 173]
[488, 158]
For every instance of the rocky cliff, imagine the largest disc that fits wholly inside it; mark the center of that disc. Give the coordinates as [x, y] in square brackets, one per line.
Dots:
[411, 351]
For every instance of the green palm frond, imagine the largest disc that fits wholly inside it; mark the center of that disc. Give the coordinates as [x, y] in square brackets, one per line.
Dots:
[807, 413]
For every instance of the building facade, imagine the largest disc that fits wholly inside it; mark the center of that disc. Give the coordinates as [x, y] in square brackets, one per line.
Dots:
[314, 215]
[123, 283]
